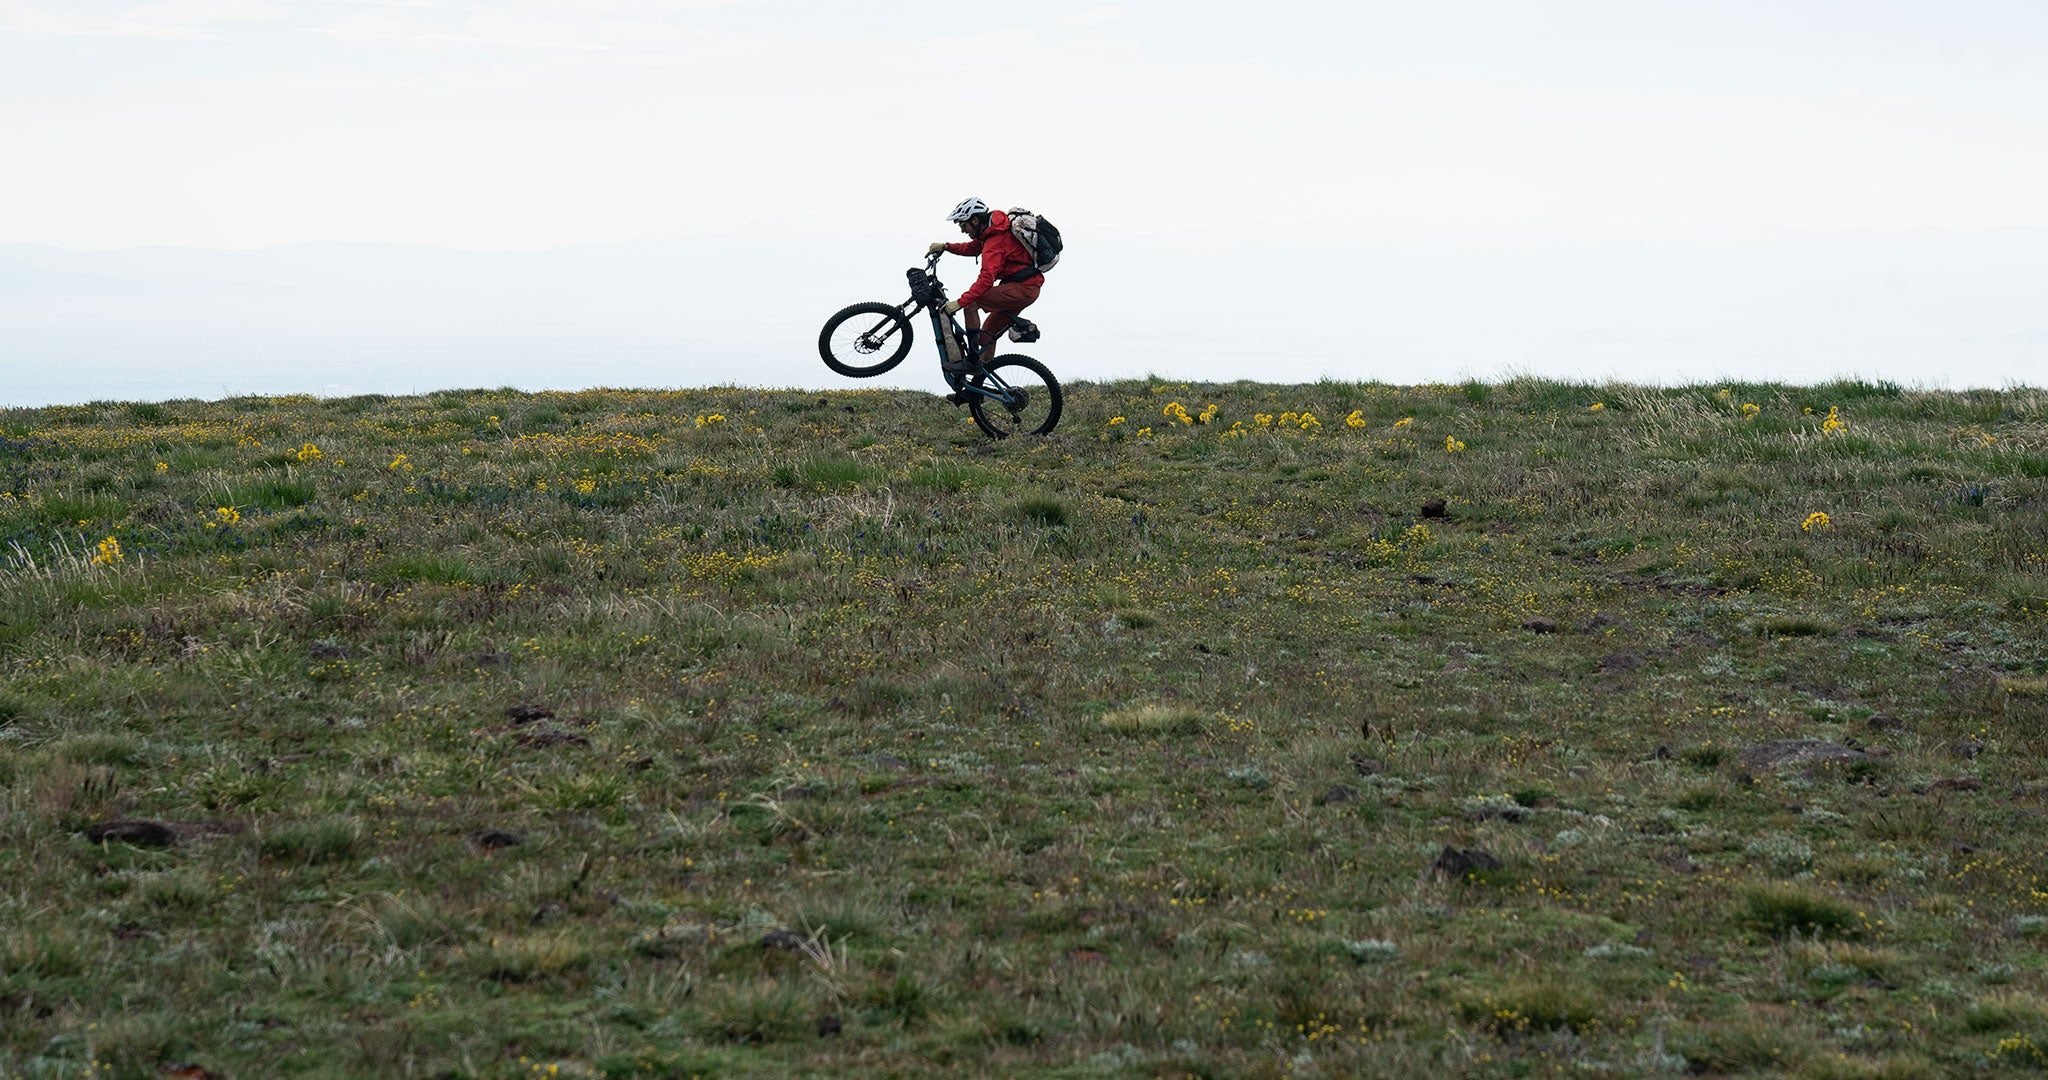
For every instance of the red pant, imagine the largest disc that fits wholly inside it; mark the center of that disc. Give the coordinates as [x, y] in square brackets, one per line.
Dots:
[1003, 302]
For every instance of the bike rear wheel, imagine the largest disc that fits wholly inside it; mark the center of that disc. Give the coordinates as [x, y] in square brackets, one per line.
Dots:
[865, 340]
[1034, 397]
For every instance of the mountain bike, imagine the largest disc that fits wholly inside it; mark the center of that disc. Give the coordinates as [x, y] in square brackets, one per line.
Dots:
[1007, 395]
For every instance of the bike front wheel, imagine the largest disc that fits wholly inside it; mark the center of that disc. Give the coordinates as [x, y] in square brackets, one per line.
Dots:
[865, 340]
[1026, 398]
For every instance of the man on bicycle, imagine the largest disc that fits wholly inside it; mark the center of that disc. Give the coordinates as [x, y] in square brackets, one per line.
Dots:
[1008, 283]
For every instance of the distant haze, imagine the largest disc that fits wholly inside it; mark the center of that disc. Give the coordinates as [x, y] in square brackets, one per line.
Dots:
[1953, 310]
[221, 196]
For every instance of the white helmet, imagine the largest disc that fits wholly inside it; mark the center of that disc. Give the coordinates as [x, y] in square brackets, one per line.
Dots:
[967, 209]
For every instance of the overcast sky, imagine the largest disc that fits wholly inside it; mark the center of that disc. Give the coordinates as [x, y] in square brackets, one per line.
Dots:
[492, 125]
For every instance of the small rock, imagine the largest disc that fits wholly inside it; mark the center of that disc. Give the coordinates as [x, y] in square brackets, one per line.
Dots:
[1883, 722]
[489, 659]
[1422, 579]
[891, 761]
[1602, 621]
[493, 839]
[1366, 766]
[1436, 508]
[137, 832]
[547, 737]
[1955, 783]
[527, 714]
[1338, 793]
[1497, 808]
[548, 909]
[782, 939]
[828, 1025]
[1663, 753]
[640, 764]
[1968, 748]
[1620, 661]
[1797, 752]
[1540, 625]
[327, 650]
[1455, 863]
[1962, 848]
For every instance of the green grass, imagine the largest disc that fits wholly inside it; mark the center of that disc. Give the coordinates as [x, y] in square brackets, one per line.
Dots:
[833, 739]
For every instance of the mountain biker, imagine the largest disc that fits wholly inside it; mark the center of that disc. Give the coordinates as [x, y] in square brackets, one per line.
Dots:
[1008, 283]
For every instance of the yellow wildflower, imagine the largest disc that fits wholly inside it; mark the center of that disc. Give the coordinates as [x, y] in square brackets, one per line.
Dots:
[1596, 407]
[1452, 445]
[1750, 411]
[1356, 419]
[109, 554]
[1115, 420]
[309, 452]
[1819, 519]
[1404, 421]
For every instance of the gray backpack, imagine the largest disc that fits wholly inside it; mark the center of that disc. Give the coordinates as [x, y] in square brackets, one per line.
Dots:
[1040, 237]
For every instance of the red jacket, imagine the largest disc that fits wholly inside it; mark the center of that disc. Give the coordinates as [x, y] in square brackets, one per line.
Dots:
[1001, 256]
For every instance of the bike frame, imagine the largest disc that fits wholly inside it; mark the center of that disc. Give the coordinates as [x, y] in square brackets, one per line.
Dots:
[929, 293]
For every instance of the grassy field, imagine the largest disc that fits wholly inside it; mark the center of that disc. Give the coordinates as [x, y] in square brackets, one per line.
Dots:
[757, 733]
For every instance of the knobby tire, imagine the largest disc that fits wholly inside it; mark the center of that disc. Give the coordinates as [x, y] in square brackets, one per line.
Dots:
[852, 323]
[996, 421]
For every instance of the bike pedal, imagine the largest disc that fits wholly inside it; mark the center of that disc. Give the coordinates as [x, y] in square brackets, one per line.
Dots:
[959, 397]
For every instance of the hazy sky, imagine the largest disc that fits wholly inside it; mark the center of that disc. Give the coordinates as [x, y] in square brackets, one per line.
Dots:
[529, 123]
[1466, 160]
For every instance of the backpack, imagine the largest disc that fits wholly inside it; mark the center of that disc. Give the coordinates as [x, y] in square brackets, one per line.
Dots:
[1040, 237]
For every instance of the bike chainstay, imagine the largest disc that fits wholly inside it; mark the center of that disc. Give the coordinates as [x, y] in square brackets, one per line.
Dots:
[1004, 393]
